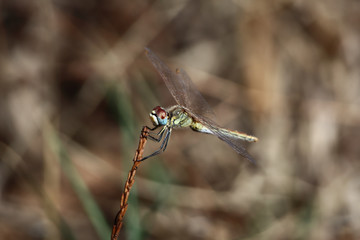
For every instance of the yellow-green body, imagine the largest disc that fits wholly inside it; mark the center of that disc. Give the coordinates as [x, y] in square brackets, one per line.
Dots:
[179, 118]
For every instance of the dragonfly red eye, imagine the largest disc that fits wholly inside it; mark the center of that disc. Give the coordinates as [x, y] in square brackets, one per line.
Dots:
[160, 112]
[159, 116]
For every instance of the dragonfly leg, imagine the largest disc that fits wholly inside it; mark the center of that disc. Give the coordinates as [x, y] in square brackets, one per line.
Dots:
[160, 134]
[163, 144]
[149, 130]
[153, 128]
[167, 140]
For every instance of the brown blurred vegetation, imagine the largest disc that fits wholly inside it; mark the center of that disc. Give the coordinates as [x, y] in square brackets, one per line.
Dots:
[76, 88]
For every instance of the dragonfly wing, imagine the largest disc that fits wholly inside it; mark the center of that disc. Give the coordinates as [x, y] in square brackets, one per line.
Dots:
[181, 87]
[193, 98]
[235, 143]
[175, 86]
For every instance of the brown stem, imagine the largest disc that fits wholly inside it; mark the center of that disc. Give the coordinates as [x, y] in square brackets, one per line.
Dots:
[129, 183]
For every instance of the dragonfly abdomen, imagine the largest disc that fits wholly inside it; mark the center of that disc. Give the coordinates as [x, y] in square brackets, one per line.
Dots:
[239, 135]
[196, 126]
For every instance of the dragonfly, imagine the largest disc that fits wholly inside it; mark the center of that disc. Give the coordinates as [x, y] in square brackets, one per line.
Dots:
[192, 111]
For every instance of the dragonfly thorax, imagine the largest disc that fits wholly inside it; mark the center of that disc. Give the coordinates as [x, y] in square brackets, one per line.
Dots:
[159, 116]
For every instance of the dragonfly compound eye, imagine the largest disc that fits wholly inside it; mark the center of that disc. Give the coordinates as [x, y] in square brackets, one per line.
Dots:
[158, 116]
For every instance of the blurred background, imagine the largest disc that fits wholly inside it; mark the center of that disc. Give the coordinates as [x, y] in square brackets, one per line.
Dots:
[76, 89]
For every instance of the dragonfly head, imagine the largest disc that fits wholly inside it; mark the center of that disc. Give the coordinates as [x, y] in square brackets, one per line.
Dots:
[159, 116]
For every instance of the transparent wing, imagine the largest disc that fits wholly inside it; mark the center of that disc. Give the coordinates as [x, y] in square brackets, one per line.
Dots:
[194, 100]
[175, 86]
[235, 143]
[181, 87]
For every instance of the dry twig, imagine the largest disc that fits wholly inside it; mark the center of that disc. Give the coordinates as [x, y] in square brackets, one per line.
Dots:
[129, 183]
